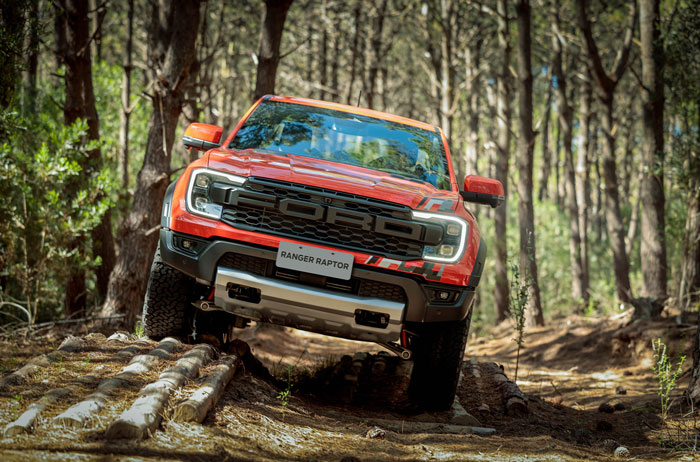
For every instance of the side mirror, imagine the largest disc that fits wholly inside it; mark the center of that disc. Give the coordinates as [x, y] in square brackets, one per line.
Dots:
[483, 190]
[202, 137]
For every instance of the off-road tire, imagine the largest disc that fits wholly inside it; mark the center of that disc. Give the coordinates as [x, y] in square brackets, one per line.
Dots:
[167, 301]
[437, 358]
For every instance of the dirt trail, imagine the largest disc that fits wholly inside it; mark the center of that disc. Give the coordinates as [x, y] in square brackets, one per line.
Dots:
[567, 371]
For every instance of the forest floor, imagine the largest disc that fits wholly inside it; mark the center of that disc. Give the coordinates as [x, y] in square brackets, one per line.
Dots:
[567, 370]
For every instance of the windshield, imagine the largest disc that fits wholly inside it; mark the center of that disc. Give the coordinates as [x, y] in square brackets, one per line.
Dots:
[401, 150]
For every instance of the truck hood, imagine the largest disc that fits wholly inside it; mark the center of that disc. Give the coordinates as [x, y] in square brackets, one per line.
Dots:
[333, 175]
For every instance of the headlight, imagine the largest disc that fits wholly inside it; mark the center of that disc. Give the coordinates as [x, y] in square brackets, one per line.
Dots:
[198, 192]
[451, 248]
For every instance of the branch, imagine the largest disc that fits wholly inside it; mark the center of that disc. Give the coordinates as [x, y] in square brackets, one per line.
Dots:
[624, 53]
[480, 7]
[295, 48]
[99, 7]
[585, 25]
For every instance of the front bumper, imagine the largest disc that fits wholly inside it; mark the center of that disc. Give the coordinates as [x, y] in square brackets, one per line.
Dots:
[307, 308]
[201, 262]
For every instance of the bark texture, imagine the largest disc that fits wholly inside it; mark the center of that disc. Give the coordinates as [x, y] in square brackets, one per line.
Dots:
[526, 142]
[171, 54]
[355, 47]
[583, 184]
[473, 84]
[689, 290]
[566, 118]
[503, 121]
[125, 113]
[546, 166]
[606, 85]
[653, 245]
[32, 58]
[80, 104]
[273, 18]
[374, 52]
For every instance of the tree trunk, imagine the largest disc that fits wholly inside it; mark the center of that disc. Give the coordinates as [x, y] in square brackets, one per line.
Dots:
[272, 25]
[59, 29]
[357, 13]
[689, 289]
[526, 142]
[613, 217]
[323, 64]
[565, 123]
[310, 59]
[607, 84]
[555, 163]
[12, 35]
[503, 121]
[335, 58]
[598, 188]
[473, 88]
[171, 54]
[446, 73]
[125, 113]
[583, 186]
[546, 160]
[628, 154]
[653, 245]
[80, 104]
[30, 74]
[374, 55]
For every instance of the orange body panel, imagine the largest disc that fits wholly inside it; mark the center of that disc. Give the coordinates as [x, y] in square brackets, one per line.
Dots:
[335, 176]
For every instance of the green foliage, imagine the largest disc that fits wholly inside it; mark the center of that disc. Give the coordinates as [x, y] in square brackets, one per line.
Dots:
[50, 206]
[666, 374]
[517, 304]
[138, 330]
[285, 394]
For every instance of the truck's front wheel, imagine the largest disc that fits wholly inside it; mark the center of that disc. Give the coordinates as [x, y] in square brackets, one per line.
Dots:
[167, 301]
[437, 358]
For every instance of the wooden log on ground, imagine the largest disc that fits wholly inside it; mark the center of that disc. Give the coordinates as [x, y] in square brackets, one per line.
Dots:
[20, 376]
[514, 400]
[80, 413]
[196, 407]
[25, 423]
[403, 426]
[145, 413]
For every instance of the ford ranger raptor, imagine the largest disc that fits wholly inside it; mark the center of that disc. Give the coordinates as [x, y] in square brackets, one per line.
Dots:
[328, 218]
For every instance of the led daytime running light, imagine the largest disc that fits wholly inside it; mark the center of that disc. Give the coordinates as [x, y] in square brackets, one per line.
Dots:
[446, 218]
[213, 174]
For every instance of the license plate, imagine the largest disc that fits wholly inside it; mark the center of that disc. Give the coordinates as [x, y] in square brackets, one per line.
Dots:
[315, 260]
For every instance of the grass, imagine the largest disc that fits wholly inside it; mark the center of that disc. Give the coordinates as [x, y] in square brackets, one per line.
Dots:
[666, 374]
[518, 303]
[285, 394]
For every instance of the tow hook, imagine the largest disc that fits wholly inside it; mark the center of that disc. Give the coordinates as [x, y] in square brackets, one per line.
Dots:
[400, 351]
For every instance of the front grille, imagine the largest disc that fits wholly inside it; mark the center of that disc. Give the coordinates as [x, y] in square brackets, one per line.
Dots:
[285, 189]
[346, 237]
[357, 286]
[256, 209]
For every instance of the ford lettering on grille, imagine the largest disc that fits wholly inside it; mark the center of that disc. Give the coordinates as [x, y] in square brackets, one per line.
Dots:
[325, 220]
[332, 215]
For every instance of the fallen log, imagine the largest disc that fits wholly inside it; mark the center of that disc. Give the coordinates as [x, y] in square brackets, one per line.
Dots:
[196, 407]
[20, 376]
[403, 426]
[145, 413]
[514, 400]
[80, 413]
[25, 423]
